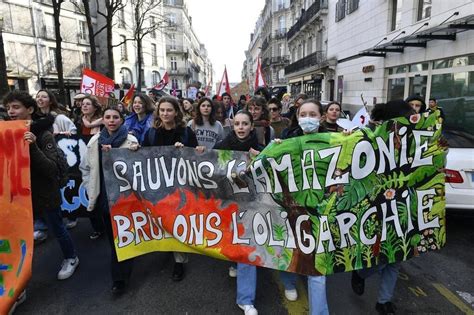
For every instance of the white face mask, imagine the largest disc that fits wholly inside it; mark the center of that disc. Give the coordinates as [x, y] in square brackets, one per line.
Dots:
[309, 124]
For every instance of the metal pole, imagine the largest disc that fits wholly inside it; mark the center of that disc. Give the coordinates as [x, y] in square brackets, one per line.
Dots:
[4, 88]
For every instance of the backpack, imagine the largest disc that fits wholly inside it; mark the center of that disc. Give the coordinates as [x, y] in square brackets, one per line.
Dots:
[63, 167]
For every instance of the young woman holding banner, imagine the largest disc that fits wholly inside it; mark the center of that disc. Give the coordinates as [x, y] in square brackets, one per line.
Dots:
[114, 135]
[244, 138]
[169, 129]
[308, 116]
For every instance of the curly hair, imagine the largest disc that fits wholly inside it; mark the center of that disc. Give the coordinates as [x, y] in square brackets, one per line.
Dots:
[178, 119]
[20, 96]
[260, 102]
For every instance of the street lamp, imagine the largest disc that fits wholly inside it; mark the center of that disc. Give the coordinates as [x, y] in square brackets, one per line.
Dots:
[4, 88]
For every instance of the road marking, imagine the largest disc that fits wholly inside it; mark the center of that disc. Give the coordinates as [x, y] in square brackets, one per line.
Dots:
[298, 307]
[417, 291]
[451, 297]
[467, 297]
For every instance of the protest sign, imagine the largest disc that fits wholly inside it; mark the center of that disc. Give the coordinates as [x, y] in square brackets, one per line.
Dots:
[74, 196]
[317, 204]
[16, 222]
[94, 83]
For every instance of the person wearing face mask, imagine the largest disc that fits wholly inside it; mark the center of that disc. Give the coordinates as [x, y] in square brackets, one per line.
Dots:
[308, 117]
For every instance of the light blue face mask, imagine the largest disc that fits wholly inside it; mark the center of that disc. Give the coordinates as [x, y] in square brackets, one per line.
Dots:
[309, 124]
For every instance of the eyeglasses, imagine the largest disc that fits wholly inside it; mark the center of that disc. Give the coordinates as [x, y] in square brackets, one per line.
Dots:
[273, 109]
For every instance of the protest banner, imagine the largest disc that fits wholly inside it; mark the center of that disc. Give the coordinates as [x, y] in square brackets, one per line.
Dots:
[99, 85]
[16, 218]
[317, 204]
[74, 196]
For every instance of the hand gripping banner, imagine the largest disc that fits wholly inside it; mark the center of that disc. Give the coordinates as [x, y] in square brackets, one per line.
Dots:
[316, 204]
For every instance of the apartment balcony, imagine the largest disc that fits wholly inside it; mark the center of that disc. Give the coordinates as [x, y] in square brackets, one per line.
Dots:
[280, 33]
[175, 3]
[313, 60]
[306, 17]
[266, 43]
[278, 60]
[280, 7]
[175, 49]
[181, 71]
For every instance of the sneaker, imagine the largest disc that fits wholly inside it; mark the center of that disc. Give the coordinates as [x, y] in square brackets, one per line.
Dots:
[248, 309]
[178, 271]
[70, 224]
[232, 272]
[21, 298]
[95, 235]
[357, 283]
[40, 236]
[385, 308]
[291, 295]
[68, 267]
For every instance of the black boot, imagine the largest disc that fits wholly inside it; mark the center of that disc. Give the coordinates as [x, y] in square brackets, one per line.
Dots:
[178, 272]
[119, 288]
[385, 308]
[357, 283]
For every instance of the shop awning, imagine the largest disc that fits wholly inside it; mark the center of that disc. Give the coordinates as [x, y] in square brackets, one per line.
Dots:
[419, 38]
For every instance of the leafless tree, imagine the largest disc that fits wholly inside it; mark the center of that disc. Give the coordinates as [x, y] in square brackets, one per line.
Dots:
[59, 56]
[144, 24]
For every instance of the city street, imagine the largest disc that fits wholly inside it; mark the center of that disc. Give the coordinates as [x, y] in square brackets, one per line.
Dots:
[436, 283]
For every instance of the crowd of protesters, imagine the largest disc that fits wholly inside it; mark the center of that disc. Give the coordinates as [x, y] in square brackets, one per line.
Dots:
[205, 123]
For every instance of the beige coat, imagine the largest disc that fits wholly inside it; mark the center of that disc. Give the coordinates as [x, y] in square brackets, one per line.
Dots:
[90, 168]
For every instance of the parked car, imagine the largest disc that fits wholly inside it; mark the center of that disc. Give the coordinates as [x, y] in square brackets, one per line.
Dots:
[459, 131]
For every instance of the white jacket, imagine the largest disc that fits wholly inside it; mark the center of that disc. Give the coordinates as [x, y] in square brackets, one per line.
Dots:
[90, 168]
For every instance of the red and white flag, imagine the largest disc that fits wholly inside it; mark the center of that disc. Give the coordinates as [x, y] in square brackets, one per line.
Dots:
[163, 82]
[259, 80]
[224, 86]
[128, 97]
[94, 83]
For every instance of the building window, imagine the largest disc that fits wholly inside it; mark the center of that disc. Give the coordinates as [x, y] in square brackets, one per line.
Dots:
[174, 63]
[171, 19]
[281, 50]
[340, 10]
[310, 45]
[352, 5]
[280, 5]
[86, 58]
[82, 30]
[424, 9]
[152, 24]
[281, 24]
[173, 41]
[174, 84]
[52, 59]
[127, 77]
[123, 48]
[418, 86]
[396, 88]
[155, 77]
[121, 18]
[154, 57]
[396, 14]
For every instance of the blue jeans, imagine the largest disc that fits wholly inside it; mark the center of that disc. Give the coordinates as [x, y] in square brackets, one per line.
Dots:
[56, 224]
[389, 275]
[318, 303]
[246, 284]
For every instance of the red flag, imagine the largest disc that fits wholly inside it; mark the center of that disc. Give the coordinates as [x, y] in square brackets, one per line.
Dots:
[163, 82]
[94, 83]
[259, 80]
[128, 97]
[224, 86]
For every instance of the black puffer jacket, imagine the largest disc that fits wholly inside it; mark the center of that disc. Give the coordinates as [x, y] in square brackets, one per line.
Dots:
[231, 142]
[45, 189]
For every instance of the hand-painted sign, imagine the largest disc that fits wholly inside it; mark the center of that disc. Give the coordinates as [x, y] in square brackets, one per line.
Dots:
[316, 204]
[16, 222]
[74, 196]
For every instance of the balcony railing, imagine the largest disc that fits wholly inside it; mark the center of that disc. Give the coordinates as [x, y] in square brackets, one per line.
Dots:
[314, 59]
[175, 48]
[280, 33]
[266, 43]
[306, 16]
[280, 59]
[181, 71]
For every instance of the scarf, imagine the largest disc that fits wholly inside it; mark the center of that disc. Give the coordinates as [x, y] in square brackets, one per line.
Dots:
[116, 139]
